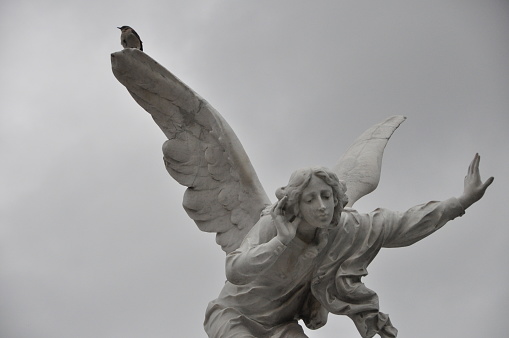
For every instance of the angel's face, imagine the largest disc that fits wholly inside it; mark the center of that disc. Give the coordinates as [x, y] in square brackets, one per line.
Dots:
[317, 203]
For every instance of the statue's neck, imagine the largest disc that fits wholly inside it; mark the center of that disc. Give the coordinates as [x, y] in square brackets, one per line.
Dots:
[306, 232]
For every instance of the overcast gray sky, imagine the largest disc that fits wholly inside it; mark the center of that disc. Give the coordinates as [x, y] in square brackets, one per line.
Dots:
[93, 239]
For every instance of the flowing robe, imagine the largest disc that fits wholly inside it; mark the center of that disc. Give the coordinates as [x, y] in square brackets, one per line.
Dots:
[271, 285]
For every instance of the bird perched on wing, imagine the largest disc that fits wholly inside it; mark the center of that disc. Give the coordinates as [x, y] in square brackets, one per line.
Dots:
[129, 38]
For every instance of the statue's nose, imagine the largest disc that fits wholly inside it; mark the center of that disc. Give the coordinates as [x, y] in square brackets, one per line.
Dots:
[321, 205]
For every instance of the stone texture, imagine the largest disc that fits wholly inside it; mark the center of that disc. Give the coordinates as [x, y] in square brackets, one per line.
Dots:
[303, 256]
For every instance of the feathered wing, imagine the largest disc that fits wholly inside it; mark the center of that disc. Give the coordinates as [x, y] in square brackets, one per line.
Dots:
[361, 165]
[202, 152]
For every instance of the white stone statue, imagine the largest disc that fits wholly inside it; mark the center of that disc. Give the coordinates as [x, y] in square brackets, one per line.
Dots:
[303, 256]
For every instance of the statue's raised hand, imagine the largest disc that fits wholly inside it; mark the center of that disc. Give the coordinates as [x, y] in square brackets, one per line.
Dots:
[474, 188]
[286, 228]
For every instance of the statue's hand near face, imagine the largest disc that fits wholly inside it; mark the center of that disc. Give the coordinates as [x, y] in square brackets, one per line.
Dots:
[286, 229]
[474, 188]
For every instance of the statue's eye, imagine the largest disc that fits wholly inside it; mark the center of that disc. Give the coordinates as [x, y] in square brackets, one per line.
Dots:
[308, 199]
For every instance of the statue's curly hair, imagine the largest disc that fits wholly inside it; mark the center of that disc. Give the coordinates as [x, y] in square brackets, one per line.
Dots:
[299, 181]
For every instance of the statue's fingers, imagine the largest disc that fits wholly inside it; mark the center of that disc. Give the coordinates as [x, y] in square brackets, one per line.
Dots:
[477, 159]
[488, 182]
[471, 167]
[278, 209]
[273, 210]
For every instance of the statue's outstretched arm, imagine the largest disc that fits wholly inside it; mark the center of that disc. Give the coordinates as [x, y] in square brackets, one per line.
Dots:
[403, 229]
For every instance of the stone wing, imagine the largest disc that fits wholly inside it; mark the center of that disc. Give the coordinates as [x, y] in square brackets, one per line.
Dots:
[202, 152]
[361, 165]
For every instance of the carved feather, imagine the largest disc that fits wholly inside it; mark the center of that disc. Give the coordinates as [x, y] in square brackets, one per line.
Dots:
[202, 152]
[361, 165]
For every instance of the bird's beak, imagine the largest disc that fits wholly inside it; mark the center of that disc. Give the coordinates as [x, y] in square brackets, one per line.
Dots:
[119, 28]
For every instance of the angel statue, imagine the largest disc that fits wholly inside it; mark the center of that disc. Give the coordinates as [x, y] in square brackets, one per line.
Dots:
[303, 256]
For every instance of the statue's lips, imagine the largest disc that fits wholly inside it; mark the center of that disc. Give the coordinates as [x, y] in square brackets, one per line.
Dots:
[322, 217]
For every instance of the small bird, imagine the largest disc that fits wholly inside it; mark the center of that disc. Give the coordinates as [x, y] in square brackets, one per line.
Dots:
[129, 38]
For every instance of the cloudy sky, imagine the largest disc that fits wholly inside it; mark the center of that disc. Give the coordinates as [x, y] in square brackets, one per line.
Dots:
[93, 239]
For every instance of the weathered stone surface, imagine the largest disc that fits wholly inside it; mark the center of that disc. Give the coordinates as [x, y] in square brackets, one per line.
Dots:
[305, 256]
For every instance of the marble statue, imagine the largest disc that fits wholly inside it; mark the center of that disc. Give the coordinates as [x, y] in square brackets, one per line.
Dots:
[297, 259]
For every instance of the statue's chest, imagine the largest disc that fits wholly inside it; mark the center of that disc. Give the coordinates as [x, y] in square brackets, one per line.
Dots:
[293, 265]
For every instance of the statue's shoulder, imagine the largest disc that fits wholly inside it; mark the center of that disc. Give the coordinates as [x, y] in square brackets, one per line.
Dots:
[349, 213]
[352, 220]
